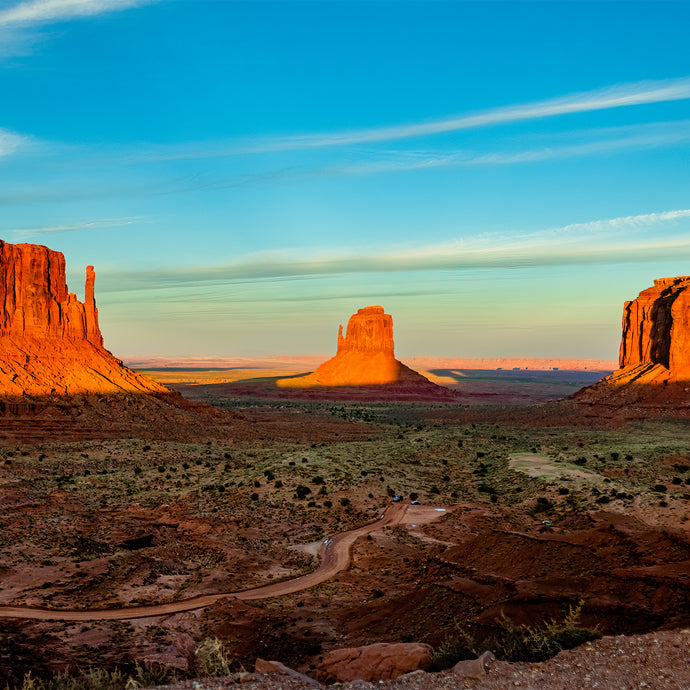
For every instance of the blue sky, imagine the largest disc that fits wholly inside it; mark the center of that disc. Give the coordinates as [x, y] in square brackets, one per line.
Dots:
[500, 176]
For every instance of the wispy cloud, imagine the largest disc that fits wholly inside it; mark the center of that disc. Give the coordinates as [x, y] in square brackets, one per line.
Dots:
[649, 136]
[25, 233]
[42, 11]
[11, 142]
[620, 96]
[615, 240]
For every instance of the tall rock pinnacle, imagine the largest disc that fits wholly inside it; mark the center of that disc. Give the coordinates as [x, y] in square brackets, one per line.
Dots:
[50, 342]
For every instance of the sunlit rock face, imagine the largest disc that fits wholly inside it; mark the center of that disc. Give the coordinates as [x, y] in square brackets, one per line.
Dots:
[364, 355]
[50, 342]
[656, 328]
[370, 330]
[654, 354]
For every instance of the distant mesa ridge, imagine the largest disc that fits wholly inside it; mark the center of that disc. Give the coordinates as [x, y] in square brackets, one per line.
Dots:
[50, 342]
[364, 357]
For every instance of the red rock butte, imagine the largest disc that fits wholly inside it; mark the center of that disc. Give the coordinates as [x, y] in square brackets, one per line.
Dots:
[654, 353]
[50, 342]
[364, 356]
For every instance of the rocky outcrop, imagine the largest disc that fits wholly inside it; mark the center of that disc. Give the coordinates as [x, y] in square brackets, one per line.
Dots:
[364, 357]
[370, 331]
[654, 354]
[50, 342]
[656, 327]
[381, 661]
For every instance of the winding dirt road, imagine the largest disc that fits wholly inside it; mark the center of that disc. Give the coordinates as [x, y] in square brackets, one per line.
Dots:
[334, 556]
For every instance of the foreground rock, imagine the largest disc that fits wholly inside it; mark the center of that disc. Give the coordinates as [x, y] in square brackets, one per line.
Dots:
[50, 342]
[381, 661]
[365, 358]
[654, 353]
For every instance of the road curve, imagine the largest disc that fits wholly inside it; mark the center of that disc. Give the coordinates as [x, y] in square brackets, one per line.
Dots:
[334, 556]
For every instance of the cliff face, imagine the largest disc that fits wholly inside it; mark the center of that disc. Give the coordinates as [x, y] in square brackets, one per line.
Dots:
[50, 342]
[654, 353]
[656, 327]
[370, 330]
[35, 300]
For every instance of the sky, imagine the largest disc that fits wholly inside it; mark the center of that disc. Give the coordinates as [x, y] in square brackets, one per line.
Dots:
[500, 176]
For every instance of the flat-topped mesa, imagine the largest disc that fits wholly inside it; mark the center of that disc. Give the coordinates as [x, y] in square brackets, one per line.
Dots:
[50, 342]
[656, 327]
[365, 358]
[369, 330]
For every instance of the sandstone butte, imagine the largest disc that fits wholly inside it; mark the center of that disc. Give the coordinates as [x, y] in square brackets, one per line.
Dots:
[50, 342]
[654, 356]
[364, 356]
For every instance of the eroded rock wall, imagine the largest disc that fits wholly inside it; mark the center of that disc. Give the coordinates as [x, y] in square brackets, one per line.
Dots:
[656, 326]
[50, 342]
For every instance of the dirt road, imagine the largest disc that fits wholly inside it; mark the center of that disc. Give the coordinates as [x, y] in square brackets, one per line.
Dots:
[334, 556]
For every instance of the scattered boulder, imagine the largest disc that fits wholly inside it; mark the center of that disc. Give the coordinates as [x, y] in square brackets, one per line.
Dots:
[474, 669]
[263, 666]
[381, 661]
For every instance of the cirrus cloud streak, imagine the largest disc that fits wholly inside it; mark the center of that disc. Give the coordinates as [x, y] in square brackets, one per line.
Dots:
[44, 11]
[615, 240]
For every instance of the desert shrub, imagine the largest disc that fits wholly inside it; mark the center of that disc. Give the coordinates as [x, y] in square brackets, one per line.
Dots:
[660, 488]
[455, 647]
[526, 643]
[142, 676]
[212, 658]
[301, 491]
[581, 461]
[344, 502]
[603, 499]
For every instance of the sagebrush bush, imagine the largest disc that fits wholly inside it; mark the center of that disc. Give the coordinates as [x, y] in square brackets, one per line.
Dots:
[515, 642]
[526, 643]
[212, 658]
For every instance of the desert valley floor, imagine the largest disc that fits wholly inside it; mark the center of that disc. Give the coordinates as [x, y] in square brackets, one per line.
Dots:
[540, 509]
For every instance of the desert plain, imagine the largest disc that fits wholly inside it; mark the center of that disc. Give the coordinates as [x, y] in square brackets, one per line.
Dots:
[540, 508]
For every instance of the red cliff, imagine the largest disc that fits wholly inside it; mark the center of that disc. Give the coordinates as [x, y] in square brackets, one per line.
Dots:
[656, 329]
[654, 353]
[370, 330]
[50, 342]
